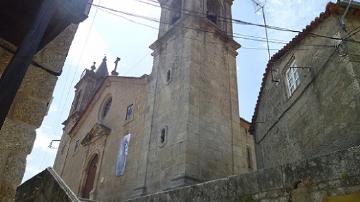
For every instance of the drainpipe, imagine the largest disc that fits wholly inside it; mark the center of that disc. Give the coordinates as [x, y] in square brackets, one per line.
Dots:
[342, 19]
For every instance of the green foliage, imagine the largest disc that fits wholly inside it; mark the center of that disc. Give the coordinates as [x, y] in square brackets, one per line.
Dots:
[345, 177]
[247, 199]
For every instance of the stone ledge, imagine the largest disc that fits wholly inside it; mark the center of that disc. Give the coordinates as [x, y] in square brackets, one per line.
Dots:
[45, 186]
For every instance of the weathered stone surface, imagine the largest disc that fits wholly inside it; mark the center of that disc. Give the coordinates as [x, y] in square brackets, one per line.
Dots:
[303, 184]
[191, 94]
[45, 187]
[31, 103]
[326, 104]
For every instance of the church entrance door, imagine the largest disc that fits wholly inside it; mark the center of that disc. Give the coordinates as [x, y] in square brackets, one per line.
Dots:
[90, 178]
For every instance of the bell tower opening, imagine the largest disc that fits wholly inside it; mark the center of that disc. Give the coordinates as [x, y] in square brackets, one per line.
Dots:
[213, 12]
[175, 11]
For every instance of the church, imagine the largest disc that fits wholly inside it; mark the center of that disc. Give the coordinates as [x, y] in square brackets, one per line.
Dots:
[132, 136]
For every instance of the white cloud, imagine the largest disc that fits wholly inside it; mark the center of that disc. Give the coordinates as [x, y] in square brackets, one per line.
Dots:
[129, 5]
[41, 156]
[87, 47]
[53, 108]
[43, 140]
[293, 14]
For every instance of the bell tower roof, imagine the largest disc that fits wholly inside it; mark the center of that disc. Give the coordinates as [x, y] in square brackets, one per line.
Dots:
[102, 71]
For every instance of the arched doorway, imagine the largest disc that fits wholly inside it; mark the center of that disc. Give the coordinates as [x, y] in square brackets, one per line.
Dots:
[90, 177]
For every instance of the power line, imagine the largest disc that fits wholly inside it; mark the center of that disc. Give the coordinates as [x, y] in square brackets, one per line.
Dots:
[240, 36]
[78, 64]
[236, 21]
[353, 32]
[130, 20]
[236, 35]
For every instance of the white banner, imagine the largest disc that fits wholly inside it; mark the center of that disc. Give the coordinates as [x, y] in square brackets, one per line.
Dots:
[123, 152]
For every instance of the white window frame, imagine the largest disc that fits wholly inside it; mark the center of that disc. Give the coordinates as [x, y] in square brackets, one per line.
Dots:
[292, 78]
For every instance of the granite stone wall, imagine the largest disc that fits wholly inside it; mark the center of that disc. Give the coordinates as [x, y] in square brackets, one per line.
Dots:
[29, 108]
[322, 115]
[334, 177]
[45, 187]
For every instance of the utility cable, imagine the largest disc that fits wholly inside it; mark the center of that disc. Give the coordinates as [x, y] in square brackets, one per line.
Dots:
[236, 21]
[233, 20]
[236, 35]
[78, 64]
[128, 19]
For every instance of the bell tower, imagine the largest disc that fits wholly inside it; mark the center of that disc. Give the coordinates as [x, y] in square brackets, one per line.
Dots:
[193, 126]
[216, 11]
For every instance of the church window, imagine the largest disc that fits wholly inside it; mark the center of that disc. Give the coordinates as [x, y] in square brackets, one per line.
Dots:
[77, 144]
[292, 77]
[77, 99]
[168, 76]
[130, 112]
[106, 108]
[249, 157]
[175, 11]
[213, 11]
[163, 136]
[63, 148]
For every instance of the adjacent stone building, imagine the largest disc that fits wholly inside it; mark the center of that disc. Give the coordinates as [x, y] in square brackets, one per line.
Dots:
[309, 102]
[127, 137]
[29, 108]
[34, 96]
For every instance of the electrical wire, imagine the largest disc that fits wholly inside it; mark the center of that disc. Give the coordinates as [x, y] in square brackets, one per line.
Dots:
[353, 32]
[236, 35]
[236, 21]
[77, 65]
[128, 19]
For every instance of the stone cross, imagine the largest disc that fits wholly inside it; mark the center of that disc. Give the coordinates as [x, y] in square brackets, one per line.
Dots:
[114, 72]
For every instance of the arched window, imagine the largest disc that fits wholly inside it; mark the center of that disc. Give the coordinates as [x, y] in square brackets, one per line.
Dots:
[106, 108]
[175, 11]
[213, 11]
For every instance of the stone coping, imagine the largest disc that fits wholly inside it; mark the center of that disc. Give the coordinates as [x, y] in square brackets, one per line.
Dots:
[339, 170]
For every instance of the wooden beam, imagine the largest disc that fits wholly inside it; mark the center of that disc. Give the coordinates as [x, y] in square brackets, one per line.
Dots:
[15, 72]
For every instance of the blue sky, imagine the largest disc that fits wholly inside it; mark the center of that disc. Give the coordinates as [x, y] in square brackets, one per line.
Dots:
[106, 34]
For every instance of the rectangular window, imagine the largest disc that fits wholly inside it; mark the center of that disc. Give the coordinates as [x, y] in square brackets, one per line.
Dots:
[76, 147]
[130, 112]
[292, 78]
[249, 157]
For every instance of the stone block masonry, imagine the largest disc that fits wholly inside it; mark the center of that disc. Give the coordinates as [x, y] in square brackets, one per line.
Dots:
[334, 177]
[29, 108]
[45, 187]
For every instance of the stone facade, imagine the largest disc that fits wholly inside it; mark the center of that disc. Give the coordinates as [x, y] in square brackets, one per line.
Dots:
[29, 107]
[185, 127]
[74, 154]
[322, 114]
[329, 178]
